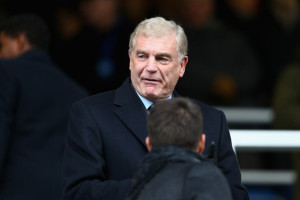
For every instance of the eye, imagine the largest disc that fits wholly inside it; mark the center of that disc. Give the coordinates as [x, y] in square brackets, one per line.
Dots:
[163, 59]
[142, 56]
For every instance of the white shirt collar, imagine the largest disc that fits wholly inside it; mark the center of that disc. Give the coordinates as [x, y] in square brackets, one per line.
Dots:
[146, 102]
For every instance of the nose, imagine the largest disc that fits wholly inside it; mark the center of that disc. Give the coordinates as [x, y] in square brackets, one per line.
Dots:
[151, 65]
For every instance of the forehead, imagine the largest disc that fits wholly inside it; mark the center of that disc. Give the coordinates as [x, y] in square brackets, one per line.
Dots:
[166, 43]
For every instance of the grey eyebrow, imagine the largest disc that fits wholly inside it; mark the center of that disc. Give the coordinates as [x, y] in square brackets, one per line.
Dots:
[163, 55]
[141, 52]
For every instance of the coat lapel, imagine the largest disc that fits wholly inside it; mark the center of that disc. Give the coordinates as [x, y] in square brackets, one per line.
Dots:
[131, 111]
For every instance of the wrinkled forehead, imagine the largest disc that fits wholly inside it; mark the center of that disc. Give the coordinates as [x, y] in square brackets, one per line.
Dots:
[171, 37]
[164, 43]
[165, 38]
[157, 31]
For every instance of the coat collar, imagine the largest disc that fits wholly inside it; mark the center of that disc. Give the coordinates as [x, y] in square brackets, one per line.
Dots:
[131, 110]
[35, 54]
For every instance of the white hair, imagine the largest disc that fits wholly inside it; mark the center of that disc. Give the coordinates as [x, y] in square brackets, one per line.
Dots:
[157, 27]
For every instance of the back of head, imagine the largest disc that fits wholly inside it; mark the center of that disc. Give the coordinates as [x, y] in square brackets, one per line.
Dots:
[157, 27]
[176, 122]
[33, 26]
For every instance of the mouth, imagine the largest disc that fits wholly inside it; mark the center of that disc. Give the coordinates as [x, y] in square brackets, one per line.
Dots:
[150, 81]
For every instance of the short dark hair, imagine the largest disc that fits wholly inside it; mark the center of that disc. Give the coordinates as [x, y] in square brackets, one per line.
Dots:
[177, 122]
[33, 26]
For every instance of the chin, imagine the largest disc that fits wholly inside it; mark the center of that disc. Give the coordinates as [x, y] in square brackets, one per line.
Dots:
[150, 96]
[150, 91]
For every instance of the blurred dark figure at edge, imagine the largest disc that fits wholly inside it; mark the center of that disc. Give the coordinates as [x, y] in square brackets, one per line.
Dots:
[286, 105]
[93, 55]
[35, 98]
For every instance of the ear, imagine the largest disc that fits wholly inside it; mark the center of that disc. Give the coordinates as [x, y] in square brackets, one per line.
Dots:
[130, 55]
[23, 44]
[148, 143]
[183, 63]
[201, 143]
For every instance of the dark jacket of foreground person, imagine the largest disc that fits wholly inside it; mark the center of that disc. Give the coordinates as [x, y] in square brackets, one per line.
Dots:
[177, 173]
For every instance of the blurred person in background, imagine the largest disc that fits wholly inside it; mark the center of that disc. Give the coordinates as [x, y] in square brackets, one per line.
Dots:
[166, 9]
[286, 106]
[276, 40]
[35, 99]
[239, 15]
[136, 10]
[222, 62]
[93, 56]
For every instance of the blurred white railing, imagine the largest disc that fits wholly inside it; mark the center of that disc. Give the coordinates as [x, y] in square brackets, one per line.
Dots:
[269, 140]
[265, 139]
[248, 115]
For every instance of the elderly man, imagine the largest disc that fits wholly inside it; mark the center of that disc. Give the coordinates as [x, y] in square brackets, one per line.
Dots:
[107, 131]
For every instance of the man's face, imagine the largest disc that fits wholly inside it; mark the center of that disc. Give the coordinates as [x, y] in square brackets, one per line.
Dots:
[154, 66]
[8, 47]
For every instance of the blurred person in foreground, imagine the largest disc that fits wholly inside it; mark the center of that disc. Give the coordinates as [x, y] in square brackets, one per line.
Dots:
[175, 168]
[106, 137]
[35, 99]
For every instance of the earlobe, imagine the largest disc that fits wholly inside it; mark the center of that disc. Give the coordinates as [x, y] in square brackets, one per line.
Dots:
[21, 40]
[201, 144]
[129, 54]
[183, 65]
[148, 143]
[23, 44]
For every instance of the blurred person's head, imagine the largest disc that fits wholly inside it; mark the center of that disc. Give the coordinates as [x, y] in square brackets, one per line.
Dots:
[22, 33]
[285, 11]
[166, 8]
[100, 14]
[176, 122]
[158, 57]
[285, 4]
[68, 22]
[196, 13]
[245, 8]
[136, 9]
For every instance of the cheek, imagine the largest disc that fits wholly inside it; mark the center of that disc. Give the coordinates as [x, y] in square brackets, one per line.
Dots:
[9, 51]
[132, 66]
[171, 77]
[6, 52]
[136, 68]
[172, 73]
[181, 72]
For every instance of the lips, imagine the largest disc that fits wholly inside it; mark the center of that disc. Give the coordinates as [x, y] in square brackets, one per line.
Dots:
[150, 81]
